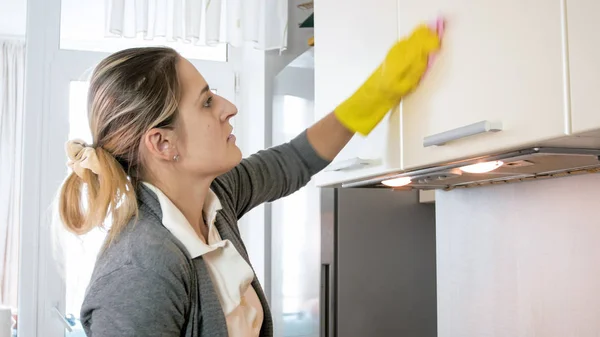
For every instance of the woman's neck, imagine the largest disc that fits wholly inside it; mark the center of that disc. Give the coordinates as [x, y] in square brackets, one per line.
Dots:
[189, 197]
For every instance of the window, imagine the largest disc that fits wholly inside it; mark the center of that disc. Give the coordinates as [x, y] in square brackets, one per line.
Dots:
[62, 109]
[12, 79]
[83, 28]
[295, 233]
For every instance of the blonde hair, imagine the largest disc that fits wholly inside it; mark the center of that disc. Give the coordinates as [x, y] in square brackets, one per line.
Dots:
[131, 92]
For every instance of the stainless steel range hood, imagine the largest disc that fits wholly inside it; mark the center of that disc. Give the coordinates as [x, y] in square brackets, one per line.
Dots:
[520, 165]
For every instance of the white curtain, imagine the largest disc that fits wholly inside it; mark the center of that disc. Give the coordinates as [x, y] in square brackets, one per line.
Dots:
[12, 87]
[203, 22]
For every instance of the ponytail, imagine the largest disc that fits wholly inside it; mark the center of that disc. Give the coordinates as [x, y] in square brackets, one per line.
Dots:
[107, 189]
[130, 92]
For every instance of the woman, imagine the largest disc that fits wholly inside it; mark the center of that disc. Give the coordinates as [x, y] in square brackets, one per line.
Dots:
[165, 171]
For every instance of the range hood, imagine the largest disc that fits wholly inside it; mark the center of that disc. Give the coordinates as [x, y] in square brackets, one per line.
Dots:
[519, 165]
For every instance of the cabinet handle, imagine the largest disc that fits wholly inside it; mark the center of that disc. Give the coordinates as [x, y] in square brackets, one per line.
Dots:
[352, 164]
[462, 132]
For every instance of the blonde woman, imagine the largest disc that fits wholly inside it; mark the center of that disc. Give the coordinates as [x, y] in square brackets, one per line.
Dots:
[164, 167]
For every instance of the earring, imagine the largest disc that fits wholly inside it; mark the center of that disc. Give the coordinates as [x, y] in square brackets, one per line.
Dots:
[176, 157]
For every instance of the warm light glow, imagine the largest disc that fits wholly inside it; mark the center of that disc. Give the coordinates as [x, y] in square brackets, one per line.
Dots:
[397, 182]
[482, 167]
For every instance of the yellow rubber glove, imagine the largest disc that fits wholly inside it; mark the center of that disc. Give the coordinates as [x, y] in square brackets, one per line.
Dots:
[399, 74]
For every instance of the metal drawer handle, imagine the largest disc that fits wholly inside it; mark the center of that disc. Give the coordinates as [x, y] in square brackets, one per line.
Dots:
[352, 164]
[462, 132]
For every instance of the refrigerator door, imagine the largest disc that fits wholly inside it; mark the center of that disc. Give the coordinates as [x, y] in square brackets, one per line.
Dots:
[328, 280]
[384, 271]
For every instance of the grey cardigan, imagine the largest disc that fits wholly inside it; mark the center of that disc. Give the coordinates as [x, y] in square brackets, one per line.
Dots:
[146, 284]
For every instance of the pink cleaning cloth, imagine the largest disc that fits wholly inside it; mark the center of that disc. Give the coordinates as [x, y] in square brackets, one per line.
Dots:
[437, 26]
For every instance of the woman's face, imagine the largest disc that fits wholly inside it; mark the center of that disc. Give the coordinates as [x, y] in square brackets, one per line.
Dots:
[205, 144]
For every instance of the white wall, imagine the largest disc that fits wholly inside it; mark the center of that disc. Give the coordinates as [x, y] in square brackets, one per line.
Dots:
[297, 45]
[257, 71]
[297, 39]
[13, 15]
[520, 260]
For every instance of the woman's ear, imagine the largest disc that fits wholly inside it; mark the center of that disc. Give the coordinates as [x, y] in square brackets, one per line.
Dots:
[160, 144]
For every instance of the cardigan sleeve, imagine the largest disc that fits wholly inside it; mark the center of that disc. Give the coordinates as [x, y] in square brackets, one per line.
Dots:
[271, 174]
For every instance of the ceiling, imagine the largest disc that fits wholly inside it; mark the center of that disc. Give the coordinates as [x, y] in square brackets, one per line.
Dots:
[13, 15]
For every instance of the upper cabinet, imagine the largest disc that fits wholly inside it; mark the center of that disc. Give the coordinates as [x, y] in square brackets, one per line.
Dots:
[584, 63]
[511, 74]
[352, 38]
[498, 82]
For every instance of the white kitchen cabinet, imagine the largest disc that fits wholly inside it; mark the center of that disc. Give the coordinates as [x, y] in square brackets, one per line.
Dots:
[351, 39]
[501, 67]
[584, 63]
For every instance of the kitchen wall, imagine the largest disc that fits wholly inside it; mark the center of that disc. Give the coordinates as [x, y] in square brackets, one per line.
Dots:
[520, 260]
[257, 71]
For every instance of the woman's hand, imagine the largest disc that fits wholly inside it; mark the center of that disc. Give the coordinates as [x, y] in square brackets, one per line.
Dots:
[399, 74]
[401, 71]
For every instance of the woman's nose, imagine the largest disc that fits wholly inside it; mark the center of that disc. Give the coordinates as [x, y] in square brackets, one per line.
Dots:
[230, 110]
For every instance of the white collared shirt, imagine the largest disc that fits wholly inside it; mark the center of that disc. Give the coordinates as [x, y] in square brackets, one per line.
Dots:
[230, 273]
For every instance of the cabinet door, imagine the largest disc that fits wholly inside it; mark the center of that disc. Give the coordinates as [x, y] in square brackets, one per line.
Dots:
[351, 40]
[501, 62]
[584, 63]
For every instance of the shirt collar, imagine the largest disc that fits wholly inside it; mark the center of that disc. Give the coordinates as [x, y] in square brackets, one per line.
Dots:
[179, 226]
[211, 206]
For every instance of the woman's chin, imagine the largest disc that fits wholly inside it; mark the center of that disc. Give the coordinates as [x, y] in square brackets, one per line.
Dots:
[236, 155]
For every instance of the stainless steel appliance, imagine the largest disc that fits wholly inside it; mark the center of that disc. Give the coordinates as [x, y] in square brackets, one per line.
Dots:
[378, 264]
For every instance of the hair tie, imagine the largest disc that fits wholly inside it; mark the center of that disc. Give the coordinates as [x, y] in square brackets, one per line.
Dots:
[82, 157]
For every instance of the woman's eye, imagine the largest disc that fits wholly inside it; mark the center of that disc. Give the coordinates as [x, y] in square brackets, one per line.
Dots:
[208, 102]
